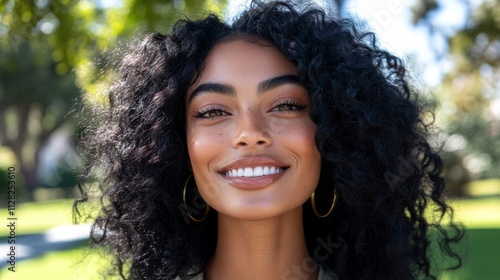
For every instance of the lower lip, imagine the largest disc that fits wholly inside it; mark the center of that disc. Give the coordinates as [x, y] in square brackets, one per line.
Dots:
[253, 183]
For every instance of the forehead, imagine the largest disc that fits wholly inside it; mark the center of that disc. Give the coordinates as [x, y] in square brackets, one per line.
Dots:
[241, 60]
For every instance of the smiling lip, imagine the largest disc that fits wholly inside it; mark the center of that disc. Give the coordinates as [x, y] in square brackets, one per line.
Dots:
[253, 183]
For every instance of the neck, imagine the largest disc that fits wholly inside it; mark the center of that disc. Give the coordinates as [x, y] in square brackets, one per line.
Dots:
[266, 249]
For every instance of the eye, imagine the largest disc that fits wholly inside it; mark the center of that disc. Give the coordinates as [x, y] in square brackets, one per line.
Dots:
[210, 113]
[288, 105]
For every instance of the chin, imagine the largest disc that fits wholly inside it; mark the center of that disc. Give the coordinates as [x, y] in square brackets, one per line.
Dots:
[251, 210]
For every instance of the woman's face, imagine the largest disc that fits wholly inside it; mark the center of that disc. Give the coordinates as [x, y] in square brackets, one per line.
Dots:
[249, 135]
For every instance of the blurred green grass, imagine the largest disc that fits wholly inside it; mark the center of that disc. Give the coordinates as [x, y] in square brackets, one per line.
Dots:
[478, 213]
[36, 217]
[480, 252]
[480, 247]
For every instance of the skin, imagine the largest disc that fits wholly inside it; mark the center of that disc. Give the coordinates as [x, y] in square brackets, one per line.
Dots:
[260, 230]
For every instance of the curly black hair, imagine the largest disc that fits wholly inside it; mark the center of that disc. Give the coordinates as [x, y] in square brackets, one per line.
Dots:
[372, 131]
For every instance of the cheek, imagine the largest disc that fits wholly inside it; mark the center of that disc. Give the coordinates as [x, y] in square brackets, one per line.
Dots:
[299, 136]
[307, 153]
[299, 139]
[202, 144]
[205, 146]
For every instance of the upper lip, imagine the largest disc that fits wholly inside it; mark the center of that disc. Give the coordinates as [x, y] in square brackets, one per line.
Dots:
[253, 161]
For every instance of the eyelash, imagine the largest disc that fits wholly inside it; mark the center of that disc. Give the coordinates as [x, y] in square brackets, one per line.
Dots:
[204, 113]
[291, 103]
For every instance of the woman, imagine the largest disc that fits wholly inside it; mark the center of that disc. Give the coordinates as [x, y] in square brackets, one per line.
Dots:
[284, 146]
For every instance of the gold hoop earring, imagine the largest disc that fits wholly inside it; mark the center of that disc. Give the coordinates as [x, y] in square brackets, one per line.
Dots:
[207, 208]
[313, 203]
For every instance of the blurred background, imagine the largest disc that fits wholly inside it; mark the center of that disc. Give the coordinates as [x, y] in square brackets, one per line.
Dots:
[54, 50]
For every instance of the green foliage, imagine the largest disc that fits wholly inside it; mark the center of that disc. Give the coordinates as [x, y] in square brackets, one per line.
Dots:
[480, 139]
[422, 9]
[470, 87]
[54, 49]
[29, 76]
[79, 31]
[471, 152]
[34, 102]
[468, 91]
[474, 49]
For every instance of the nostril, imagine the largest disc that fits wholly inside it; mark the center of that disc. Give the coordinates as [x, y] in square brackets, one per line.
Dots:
[256, 136]
[242, 143]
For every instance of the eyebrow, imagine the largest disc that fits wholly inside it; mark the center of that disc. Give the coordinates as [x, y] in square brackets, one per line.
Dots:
[229, 90]
[275, 82]
[224, 89]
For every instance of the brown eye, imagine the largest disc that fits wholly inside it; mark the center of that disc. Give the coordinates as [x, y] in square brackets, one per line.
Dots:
[287, 106]
[210, 113]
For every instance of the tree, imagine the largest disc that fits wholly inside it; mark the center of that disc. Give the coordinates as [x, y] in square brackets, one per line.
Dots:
[34, 101]
[53, 49]
[470, 91]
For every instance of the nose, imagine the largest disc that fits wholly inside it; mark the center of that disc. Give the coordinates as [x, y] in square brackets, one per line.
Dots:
[252, 130]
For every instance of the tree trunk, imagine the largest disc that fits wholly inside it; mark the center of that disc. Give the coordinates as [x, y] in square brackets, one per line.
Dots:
[30, 181]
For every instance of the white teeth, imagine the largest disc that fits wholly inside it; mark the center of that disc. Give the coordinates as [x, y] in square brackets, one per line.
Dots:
[253, 172]
[257, 171]
[248, 172]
